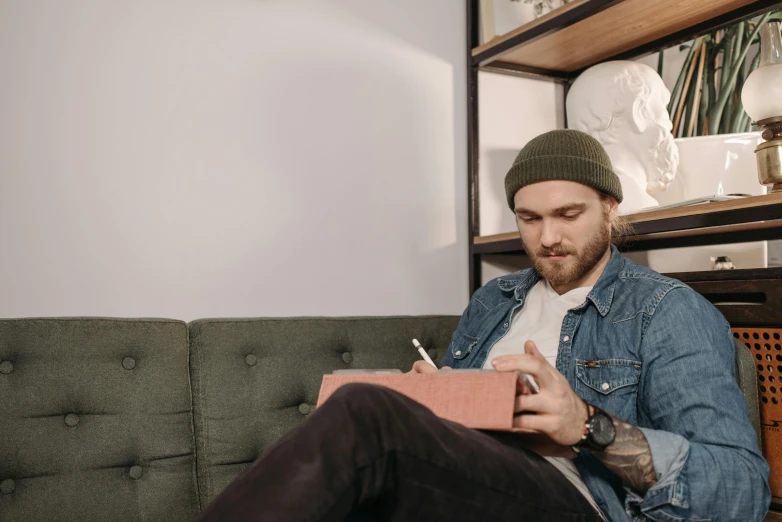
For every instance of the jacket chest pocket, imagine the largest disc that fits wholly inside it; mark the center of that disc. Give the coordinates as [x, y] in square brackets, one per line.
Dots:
[609, 384]
[463, 346]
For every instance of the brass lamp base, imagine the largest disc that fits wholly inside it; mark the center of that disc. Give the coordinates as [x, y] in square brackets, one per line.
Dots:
[769, 154]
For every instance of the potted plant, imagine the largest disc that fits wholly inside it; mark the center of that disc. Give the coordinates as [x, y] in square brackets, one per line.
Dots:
[714, 134]
[706, 99]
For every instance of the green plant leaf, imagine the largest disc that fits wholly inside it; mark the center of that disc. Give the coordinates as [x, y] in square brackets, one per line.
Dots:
[775, 16]
[676, 94]
[729, 85]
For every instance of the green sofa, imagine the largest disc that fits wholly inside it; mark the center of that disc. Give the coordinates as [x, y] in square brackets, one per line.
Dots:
[105, 419]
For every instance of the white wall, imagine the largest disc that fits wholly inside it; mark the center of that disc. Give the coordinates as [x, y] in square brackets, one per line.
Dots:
[200, 158]
[512, 111]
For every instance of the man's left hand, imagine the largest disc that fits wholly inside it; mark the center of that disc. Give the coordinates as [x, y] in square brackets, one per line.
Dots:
[556, 411]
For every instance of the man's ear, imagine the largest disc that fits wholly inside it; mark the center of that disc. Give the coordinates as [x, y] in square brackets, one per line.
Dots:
[613, 207]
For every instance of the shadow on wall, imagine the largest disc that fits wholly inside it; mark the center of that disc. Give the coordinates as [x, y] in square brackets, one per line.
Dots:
[370, 186]
[775, 253]
[499, 161]
[290, 158]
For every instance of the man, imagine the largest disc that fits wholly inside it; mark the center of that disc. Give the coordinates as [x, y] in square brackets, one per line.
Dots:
[635, 372]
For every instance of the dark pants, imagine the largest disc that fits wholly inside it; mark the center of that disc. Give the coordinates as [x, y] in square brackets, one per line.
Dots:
[372, 454]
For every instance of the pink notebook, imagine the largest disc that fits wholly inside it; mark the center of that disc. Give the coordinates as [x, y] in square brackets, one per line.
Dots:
[480, 400]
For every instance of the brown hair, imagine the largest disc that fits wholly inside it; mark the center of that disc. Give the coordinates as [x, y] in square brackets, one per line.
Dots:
[621, 229]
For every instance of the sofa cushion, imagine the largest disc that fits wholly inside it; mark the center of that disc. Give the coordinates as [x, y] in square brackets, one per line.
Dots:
[95, 421]
[255, 379]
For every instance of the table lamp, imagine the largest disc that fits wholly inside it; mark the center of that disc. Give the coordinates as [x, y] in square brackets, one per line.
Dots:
[762, 99]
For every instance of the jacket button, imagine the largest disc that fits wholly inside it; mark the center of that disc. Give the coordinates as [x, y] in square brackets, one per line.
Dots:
[605, 386]
[566, 338]
[458, 353]
[250, 360]
[136, 472]
[7, 486]
[128, 363]
[304, 408]
[506, 325]
[347, 357]
[71, 420]
[6, 367]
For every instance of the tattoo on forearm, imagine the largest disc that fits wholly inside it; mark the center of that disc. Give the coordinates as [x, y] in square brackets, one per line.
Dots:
[630, 457]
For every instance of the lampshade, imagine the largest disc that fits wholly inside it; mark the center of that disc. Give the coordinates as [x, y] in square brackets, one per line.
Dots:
[762, 91]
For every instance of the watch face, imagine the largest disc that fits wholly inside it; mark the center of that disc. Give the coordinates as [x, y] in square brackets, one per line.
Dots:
[603, 430]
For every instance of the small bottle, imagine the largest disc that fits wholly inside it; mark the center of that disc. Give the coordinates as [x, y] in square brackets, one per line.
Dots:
[722, 263]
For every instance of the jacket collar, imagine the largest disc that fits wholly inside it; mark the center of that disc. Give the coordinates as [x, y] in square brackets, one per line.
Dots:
[602, 293]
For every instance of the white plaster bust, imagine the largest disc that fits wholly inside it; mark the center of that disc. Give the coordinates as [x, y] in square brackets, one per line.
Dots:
[623, 105]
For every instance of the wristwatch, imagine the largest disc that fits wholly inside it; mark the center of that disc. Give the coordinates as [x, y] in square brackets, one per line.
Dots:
[599, 431]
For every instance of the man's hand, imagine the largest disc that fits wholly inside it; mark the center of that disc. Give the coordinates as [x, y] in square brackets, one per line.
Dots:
[425, 367]
[561, 414]
[556, 411]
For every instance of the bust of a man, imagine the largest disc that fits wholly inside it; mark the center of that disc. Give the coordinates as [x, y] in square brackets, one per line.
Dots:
[623, 105]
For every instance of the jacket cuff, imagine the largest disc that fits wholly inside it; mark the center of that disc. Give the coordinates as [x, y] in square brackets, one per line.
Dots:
[669, 456]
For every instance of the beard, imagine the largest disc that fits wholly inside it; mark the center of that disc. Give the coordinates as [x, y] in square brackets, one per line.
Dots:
[663, 160]
[577, 265]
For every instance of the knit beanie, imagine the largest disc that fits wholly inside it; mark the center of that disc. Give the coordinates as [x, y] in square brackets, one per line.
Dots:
[568, 155]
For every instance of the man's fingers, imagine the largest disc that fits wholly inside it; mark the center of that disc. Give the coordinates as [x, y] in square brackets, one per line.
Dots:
[539, 368]
[423, 367]
[531, 421]
[532, 403]
[532, 349]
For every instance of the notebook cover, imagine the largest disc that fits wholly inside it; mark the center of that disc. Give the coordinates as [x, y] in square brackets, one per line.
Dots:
[481, 400]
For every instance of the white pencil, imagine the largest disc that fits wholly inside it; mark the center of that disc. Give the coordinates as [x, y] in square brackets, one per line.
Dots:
[423, 353]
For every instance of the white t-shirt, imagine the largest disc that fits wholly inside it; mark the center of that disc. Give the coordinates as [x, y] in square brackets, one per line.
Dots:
[539, 319]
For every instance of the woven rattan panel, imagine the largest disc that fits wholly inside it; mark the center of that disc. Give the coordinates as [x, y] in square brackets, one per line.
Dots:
[766, 346]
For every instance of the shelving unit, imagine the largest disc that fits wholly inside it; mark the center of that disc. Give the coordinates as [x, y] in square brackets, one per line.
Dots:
[586, 32]
[558, 47]
[755, 218]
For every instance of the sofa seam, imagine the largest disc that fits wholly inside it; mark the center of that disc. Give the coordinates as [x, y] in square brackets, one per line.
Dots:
[89, 318]
[199, 505]
[319, 318]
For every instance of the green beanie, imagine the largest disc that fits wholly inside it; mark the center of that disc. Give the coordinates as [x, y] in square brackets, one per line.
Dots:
[568, 155]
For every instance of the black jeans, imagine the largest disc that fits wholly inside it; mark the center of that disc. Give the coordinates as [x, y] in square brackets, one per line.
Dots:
[373, 454]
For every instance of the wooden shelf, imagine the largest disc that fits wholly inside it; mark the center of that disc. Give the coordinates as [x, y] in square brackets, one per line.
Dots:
[754, 218]
[586, 32]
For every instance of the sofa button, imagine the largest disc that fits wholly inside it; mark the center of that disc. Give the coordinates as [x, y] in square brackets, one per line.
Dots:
[128, 363]
[304, 408]
[6, 367]
[136, 472]
[432, 353]
[71, 420]
[250, 360]
[7, 486]
[347, 357]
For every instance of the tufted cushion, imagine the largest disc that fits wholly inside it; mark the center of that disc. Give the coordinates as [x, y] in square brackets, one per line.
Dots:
[95, 421]
[254, 379]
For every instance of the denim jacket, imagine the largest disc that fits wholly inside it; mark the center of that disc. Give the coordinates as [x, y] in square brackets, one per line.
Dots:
[650, 350]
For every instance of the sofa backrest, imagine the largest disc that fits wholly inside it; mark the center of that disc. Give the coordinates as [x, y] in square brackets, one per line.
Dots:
[255, 379]
[95, 421]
